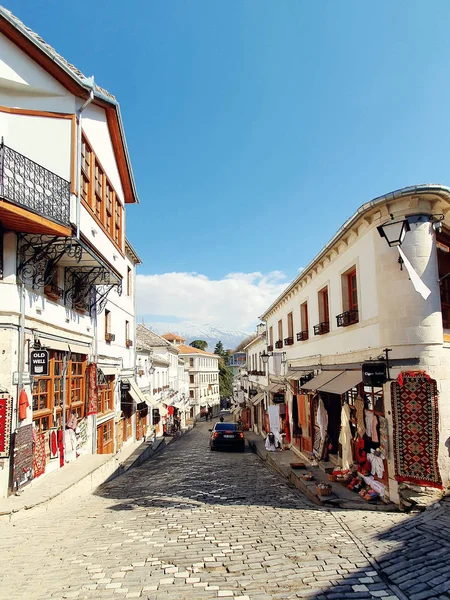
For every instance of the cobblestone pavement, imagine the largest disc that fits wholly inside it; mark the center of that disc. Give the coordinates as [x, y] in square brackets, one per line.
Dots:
[193, 524]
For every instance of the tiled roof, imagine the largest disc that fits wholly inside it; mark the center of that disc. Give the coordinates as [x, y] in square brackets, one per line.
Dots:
[49, 49]
[191, 350]
[173, 337]
[147, 340]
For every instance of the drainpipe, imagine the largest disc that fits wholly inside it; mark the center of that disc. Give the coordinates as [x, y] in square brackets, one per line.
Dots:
[79, 111]
[20, 353]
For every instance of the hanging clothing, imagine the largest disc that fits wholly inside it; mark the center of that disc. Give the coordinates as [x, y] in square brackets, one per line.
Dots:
[287, 429]
[369, 419]
[360, 426]
[322, 419]
[374, 429]
[383, 436]
[302, 400]
[271, 447]
[23, 405]
[345, 437]
[377, 463]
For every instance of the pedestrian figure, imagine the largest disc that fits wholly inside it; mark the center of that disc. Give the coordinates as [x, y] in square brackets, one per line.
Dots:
[270, 442]
[221, 419]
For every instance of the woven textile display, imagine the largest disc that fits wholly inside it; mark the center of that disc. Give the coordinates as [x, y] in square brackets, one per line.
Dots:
[416, 433]
[5, 424]
[39, 455]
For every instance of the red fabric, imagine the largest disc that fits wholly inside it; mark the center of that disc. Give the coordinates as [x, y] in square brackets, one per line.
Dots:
[5, 424]
[60, 438]
[39, 456]
[53, 444]
[170, 410]
[23, 405]
[92, 389]
[409, 374]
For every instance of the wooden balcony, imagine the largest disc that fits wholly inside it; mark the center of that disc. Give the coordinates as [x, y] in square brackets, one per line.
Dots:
[349, 317]
[322, 328]
[288, 341]
[110, 337]
[302, 336]
[129, 343]
[279, 344]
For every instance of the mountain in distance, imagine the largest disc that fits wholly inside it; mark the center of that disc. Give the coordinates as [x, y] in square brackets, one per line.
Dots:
[209, 333]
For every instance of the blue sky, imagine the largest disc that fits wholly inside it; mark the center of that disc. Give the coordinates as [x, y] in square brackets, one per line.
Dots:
[256, 128]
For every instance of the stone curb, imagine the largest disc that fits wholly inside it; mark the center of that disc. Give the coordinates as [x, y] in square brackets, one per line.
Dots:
[93, 480]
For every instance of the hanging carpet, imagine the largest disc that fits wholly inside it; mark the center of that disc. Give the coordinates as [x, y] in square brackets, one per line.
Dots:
[39, 455]
[5, 424]
[416, 433]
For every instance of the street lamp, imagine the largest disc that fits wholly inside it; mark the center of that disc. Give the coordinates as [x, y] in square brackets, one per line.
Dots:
[394, 232]
[265, 357]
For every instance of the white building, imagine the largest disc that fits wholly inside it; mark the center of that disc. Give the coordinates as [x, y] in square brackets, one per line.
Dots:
[203, 377]
[66, 270]
[162, 377]
[358, 297]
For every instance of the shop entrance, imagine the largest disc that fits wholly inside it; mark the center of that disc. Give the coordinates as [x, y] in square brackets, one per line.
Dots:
[332, 404]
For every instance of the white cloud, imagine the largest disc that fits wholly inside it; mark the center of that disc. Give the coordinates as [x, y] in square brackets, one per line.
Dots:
[234, 302]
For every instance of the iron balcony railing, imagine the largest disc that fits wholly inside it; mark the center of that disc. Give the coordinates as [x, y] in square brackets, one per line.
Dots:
[349, 317]
[322, 328]
[279, 344]
[28, 184]
[302, 336]
[288, 341]
[269, 348]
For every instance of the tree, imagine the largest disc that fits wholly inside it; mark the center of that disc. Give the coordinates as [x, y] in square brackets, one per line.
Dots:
[199, 344]
[245, 342]
[225, 378]
[219, 349]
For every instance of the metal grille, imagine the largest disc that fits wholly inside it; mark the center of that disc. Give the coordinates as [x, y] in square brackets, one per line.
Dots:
[28, 184]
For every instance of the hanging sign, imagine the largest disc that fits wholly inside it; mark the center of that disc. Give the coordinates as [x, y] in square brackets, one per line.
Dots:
[125, 386]
[39, 362]
[278, 398]
[374, 374]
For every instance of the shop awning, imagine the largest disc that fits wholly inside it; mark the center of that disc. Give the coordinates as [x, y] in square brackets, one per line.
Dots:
[295, 375]
[342, 383]
[136, 393]
[321, 379]
[78, 349]
[257, 399]
[151, 401]
[274, 386]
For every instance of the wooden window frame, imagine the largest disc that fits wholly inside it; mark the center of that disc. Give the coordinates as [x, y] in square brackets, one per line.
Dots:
[351, 277]
[52, 412]
[93, 197]
[290, 324]
[324, 305]
[280, 329]
[129, 271]
[304, 316]
[106, 396]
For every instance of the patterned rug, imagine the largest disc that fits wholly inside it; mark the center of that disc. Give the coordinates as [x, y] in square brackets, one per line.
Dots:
[39, 456]
[416, 429]
[5, 424]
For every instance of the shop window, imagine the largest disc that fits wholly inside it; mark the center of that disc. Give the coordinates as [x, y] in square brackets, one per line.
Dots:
[48, 392]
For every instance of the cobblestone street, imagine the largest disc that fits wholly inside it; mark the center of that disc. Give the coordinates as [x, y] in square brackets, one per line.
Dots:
[197, 524]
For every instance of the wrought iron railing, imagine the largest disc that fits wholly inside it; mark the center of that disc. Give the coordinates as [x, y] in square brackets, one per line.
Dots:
[279, 344]
[32, 186]
[288, 341]
[269, 348]
[322, 328]
[349, 317]
[302, 336]
[53, 291]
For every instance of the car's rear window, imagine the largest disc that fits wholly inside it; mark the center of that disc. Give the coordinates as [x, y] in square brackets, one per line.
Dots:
[228, 426]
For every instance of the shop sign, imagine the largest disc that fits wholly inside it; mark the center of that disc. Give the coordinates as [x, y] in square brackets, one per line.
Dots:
[39, 361]
[278, 398]
[374, 374]
[125, 386]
